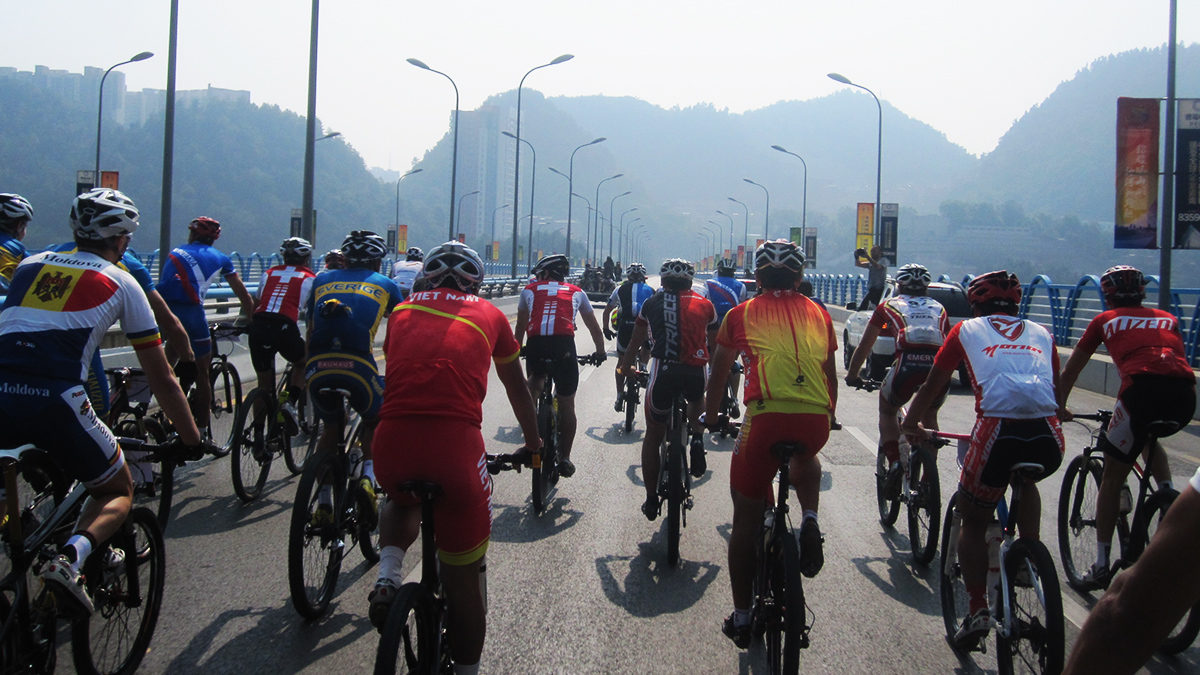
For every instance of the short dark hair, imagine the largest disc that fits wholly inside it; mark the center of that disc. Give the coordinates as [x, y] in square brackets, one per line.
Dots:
[674, 284]
[777, 278]
[97, 245]
[1114, 301]
[995, 307]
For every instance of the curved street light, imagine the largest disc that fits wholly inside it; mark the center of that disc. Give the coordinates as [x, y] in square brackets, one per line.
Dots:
[627, 245]
[406, 175]
[621, 232]
[458, 225]
[532, 185]
[612, 223]
[837, 77]
[596, 231]
[766, 212]
[516, 201]
[746, 228]
[571, 187]
[454, 157]
[730, 228]
[492, 240]
[804, 202]
[140, 56]
[719, 236]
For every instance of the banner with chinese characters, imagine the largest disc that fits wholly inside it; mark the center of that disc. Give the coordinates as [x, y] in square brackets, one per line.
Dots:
[1187, 175]
[741, 256]
[810, 247]
[889, 219]
[864, 231]
[1136, 224]
[401, 238]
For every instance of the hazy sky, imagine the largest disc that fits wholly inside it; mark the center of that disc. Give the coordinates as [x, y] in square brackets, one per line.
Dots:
[967, 68]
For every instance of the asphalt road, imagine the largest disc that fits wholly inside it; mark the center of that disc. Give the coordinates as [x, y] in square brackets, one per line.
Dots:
[585, 586]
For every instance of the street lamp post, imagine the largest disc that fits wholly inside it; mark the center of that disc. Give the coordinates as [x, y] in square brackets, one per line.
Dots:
[406, 175]
[140, 56]
[836, 77]
[307, 226]
[571, 187]
[627, 237]
[596, 232]
[458, 225]
[730, 229]
[766, 212]
[492, 238]
[532, 185]
[746, 227]
[517, 160]
[804, 199]
[716, 237]
[454, 157]
[612, 223]
[719, 235]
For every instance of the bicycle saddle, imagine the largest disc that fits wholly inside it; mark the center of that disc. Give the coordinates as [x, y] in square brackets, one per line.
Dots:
[1161, 428]
[784, 450]
[421, 488]
[1028, 469]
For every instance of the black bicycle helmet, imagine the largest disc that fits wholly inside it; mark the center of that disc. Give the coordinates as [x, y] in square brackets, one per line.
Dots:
[554, 266]
[14, 210]
[456, 261]
[102, 213]
[726, 265]
[363, 246]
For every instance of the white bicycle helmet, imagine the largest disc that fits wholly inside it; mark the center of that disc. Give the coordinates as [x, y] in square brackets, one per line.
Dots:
[457, 261]
[414, 254]
[636, 270]
[102, 213]
[14, 209]
[779, 253]
[295, 247]
[677, 268]
[913, 277]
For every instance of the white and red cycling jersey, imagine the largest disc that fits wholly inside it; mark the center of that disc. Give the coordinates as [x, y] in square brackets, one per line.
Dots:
[918, 322]
[283, 289]
[1012, 363]
[1140, 340]
[552, 306]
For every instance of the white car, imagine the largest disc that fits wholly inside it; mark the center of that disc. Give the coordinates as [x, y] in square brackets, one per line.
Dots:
[951, 296]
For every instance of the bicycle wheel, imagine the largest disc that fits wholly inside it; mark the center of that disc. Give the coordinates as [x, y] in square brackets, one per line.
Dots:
[128, 597]
[409, 636]
[924, 505]
[362, 515]
[1145, 525]
[153, 476]
[315, 546]
[546, 471]
[1077, 519]
[301, 446]
[226, 403]
[674, 471]
[253, 445]
[631, 402]
[1036, 641]
[951, 588]
[889, 509]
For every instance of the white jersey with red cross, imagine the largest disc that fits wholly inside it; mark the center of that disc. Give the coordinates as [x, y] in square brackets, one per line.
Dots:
[283, 289]
[552, 306]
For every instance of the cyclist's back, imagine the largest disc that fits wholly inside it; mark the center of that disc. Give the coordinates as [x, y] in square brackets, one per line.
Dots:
[725, 291]
[282, 291]
[404, 272]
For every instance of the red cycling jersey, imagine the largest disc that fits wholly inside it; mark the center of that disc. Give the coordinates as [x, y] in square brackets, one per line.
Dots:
[283, 289]
[552, 306]
[678, 323]
[1141, 340]
[439, 348]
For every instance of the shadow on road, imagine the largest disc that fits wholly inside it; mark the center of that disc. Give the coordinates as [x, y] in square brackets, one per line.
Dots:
[199, 516]
[519, 524]
[912, 585]
[615, 434]
[649, 587]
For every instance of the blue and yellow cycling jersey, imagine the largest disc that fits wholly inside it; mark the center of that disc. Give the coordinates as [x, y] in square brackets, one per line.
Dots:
[190, 270]
[12, 252]
[346, 308]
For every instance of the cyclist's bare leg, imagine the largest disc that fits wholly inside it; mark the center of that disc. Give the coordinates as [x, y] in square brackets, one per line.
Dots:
[1029, 520]
[694, 408]
[650, 459]
[266, 382]
[465, 606]
[1109, 497]
[366, 434]
[107, 506]
[536, 382]
[805, 475]
[203, 398]
[398, 525]
[889, 425]
[747, 523]
[619, 377]
[973, 549]
[1159, 467]
[566, 425]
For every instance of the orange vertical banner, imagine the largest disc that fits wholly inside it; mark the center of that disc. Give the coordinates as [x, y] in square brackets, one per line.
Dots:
[1136, 224]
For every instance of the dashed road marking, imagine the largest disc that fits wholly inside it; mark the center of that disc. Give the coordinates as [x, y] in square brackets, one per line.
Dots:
[867, 442]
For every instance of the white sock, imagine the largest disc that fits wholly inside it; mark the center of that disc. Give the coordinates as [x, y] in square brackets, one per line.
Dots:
[83, 548]
[369, 469]
[391, 559]
[809, 513]
[1102, 552]
[741, 617]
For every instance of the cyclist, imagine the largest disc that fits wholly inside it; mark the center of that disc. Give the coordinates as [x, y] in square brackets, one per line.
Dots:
[404, 272]
[15, 214]
[628, 299]
[186, 277]
[919, 325]
[725, 291]
[1156, 384]
[546, 310]
[438, 348]
[345, 309]
[680, 326]
[282, 290]
[788, 346]
[57, 310]
[334, 260]
[1014, 372]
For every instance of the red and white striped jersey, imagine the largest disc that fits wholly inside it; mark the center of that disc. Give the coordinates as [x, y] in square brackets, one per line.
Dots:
[283, 289]
[552, 306]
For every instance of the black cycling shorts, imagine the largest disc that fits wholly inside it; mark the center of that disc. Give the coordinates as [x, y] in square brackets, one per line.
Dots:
[554, 355]
[624, 333]
[906, 376]
[272, 333]
[1148, 398]
[667, 379]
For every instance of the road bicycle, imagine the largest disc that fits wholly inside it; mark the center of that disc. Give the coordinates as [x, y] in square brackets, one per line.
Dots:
[413, 637]
[124, 576]
[226, 388]
[920, 488]
[674, 480]
[331, 507]
[1137, 519]
[546, 461]
[1023, 591]
[266, 429]
[631, 399]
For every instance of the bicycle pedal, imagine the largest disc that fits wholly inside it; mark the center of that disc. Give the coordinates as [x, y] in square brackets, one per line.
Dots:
[688, 503]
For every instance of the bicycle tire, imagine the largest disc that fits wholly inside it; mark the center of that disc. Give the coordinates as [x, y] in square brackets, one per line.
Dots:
[794, 610]
[309, 427]
[1077, 519]
[253, 444]
[108, 642]
[1037, 642]
[547, 466]
[409, 635]
[1183, 634]
[631, 402]
[924, 505]
[315, 552]
[951, 589]
[362, 515]
[889, 509]
[226, 386]
[674, 470]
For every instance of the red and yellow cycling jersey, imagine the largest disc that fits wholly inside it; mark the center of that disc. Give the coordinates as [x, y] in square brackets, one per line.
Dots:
[439, 348]
[784, 339]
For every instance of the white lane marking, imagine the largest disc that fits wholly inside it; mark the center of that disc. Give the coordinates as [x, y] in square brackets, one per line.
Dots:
[585, 373]
[414, 576]
[1072, 610]
[868, 443]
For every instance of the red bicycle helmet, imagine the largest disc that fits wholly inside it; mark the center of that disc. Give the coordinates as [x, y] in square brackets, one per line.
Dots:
[1123, 282]
[206, 227]
[999, 286]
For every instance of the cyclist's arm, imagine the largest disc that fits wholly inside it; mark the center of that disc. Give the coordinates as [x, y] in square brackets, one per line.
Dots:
[513, 379]
[722, 360]
[166, 389]
[239, 289]
[1070, 373]
[640, 331]
[171, 329]
[860, 353]
[522, 323]
[593, 326]
[830, 368]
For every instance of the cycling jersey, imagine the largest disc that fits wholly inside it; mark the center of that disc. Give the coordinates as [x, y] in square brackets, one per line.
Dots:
[60, 306]
[784, 340]
[724, 293]
[552, 306]
[1140, 340]
[128, 262]
[12, 252]
[365, 298]
[918, 322]
[439, 348]
[283, 288]
[190, 270]
[629, 297]
[678, 323]
[1012, 364]
[405, 272]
